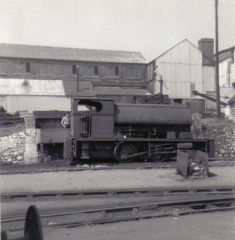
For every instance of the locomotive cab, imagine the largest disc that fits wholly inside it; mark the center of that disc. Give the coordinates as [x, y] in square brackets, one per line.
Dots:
[92, 118]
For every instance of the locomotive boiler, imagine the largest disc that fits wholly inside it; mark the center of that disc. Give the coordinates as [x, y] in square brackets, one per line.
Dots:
[103, 129]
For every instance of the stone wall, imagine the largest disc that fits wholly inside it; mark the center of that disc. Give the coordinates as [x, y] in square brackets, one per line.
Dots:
[224, 135]
[12, 148]
[19, 146]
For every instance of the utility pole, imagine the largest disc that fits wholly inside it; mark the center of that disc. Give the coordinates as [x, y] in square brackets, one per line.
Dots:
[77, 77]
[217, 61]
[161, 89]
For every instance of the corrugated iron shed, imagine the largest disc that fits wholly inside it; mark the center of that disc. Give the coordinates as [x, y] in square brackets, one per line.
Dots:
[69, 54]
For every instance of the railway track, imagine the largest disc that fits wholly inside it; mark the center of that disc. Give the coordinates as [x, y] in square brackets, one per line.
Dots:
[116, 192]
[195, 203]
[132, 212]
[59, 166]
[162, 202]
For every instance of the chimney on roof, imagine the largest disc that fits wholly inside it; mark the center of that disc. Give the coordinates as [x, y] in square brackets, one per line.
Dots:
[206, 46]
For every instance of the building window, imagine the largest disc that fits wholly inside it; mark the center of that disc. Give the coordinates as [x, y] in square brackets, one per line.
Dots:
[27, 67]
[74, 69]
[116, 71]
[96, 70]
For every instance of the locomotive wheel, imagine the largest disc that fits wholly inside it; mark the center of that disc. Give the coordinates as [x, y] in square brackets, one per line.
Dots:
[126, 151]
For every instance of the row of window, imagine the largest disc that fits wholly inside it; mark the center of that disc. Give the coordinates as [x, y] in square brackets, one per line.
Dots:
[93, 69]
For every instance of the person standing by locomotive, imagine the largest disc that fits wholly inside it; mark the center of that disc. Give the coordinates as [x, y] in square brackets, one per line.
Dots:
[197, 128]
[65, 121]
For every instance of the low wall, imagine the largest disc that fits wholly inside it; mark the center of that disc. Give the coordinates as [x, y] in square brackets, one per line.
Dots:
[223, 132]
[12, 148]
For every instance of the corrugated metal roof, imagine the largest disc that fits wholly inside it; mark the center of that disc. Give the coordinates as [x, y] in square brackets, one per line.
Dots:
[31, 87]
[42, 87]
[69, 54]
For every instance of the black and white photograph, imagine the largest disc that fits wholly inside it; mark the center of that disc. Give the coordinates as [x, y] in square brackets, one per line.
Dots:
[117, 119]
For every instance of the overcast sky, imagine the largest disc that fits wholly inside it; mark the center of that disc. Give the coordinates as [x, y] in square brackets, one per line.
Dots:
[148, 26]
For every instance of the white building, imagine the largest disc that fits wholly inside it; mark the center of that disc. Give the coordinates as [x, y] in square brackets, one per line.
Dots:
[227, 72]
[184, 68]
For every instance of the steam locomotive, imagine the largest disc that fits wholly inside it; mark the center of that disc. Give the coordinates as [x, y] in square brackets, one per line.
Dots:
[103, 129]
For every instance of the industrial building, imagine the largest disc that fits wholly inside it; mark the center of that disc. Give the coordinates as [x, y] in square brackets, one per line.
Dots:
[227, 71]
[185, 68]
[45, 78]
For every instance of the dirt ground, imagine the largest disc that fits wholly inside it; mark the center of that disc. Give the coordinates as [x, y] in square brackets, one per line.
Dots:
[212, 226]
[111, 179]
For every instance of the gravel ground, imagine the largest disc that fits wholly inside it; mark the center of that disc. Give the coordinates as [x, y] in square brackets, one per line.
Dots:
[213, 226]
[111, 179]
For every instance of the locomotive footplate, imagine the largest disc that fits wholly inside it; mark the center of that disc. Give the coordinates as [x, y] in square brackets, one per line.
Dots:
[138, 149]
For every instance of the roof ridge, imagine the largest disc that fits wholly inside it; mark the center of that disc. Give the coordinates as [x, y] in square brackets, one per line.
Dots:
[175, 45]
[70, 54]
[74, 48]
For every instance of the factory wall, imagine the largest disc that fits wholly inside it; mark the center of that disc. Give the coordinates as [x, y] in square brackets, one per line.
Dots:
[97, 72]
[208, 79]
[226, 73]
[181, 70]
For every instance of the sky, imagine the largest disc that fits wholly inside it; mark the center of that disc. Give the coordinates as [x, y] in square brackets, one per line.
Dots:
[148, 26]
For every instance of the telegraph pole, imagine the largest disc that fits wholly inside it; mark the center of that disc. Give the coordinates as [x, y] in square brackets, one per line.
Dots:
[217, 61]
[161, 89]
[77, 77]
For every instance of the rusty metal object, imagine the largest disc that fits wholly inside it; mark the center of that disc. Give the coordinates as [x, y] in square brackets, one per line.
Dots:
[192, 162]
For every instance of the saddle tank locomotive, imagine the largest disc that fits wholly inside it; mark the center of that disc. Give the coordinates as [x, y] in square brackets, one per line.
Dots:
[103, 129]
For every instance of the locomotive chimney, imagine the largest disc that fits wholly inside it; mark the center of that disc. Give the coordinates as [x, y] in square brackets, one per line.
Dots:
[206, 46]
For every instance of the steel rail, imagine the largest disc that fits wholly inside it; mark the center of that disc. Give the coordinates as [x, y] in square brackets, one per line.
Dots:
[198, 202]
[134, 218]
[109, 192]
[62, 167]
